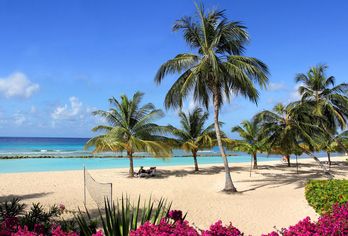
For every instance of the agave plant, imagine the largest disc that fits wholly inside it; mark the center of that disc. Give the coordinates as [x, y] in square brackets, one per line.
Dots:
[120, 218]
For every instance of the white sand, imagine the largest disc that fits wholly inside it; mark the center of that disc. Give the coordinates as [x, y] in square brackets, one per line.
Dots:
[272, 196]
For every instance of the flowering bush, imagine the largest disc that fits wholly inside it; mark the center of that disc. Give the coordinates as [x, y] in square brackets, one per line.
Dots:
[335, 223]
[218, 229]
[322, 194]
[172, 224]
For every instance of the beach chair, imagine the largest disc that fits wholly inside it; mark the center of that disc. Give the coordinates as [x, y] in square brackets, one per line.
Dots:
[146, 173]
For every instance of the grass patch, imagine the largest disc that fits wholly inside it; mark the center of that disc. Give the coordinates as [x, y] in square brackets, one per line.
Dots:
[322, 194]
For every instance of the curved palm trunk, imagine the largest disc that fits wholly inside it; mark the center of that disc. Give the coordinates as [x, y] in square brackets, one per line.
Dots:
[329, 158]
[131, 166]
[194, 154]
[319, 162]
[229, 187]
[255, 160]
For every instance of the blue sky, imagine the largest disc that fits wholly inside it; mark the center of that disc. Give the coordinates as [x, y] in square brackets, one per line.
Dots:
[60, 60]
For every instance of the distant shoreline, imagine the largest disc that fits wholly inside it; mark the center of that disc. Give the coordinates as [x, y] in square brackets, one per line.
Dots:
[98, 156]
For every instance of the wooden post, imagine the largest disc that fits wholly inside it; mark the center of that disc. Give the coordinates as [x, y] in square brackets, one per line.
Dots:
[84, 185]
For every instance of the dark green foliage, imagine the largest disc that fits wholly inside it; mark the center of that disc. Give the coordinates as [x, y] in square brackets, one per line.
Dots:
[11, 208]
[130, 128]
[322, 194]
[37, 215]
[214, 68]
[121, 217]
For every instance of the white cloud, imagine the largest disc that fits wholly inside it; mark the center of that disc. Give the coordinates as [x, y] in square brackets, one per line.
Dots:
[19, 119]
[276, 86]
[17, 85]
[294, 94]
[72, 111]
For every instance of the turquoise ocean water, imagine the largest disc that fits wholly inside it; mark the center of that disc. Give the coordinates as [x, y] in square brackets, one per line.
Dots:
[62, 148]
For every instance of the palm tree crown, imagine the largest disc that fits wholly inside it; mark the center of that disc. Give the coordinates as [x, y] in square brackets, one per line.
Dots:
[216, 69]
[251, 142]
[286, 127]
[130, 128]
[327, 99]
[193, 135]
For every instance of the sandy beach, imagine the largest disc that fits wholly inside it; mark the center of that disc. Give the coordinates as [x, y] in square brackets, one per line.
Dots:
[272, 196]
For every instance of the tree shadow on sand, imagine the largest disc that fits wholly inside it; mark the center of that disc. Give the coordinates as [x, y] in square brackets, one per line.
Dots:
[289, 175]
[277, 174]
[24, 196]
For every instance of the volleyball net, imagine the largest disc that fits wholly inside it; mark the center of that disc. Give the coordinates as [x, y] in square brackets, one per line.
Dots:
[99, 192]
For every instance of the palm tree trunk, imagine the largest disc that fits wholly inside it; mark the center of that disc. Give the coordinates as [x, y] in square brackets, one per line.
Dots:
[319, 162]
[288, 160]
[194, 154]
[229, 187]
[329, 158]
[255, 160]
[131, 166]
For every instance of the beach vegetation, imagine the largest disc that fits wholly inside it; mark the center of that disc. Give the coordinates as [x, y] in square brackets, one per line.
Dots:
[194, 135]
[322, 194]
[121, 217]
[130, 127]
[328, 101]
[154, 218]
[289, 129]
[214, 69]
[251, 141]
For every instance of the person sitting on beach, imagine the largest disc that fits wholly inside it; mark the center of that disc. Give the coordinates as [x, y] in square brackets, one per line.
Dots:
[141, 170]
[152, 171]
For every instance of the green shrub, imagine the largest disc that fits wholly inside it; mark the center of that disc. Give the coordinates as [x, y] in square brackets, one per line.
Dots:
[322, 194]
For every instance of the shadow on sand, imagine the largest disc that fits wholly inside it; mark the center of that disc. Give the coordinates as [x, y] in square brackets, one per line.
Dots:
[23, 197]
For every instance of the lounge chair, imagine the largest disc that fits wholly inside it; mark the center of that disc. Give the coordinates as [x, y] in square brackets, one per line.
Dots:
[146, 173]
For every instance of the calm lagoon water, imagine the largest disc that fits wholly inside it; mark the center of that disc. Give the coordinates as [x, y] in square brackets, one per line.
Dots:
[57, 164]
[72, 149]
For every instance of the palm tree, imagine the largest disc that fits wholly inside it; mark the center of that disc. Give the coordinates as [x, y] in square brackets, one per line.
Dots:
[329, 143]
[251, 142]
[287, 129]
[130, 128]
[193, 135]
[215, 70]
[326, 99]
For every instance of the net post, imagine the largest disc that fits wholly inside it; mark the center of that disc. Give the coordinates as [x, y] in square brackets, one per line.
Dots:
[111, 193]
[84, 185]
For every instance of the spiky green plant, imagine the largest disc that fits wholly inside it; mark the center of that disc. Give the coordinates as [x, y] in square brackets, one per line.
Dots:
[120, 217]
[130, 128]
[216, 70]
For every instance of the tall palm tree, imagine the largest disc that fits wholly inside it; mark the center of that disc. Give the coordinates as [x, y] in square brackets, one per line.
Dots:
[327, 99]
[251, 142]
[215, 70]
[193, 135]
[287, 127]
[130, 128]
